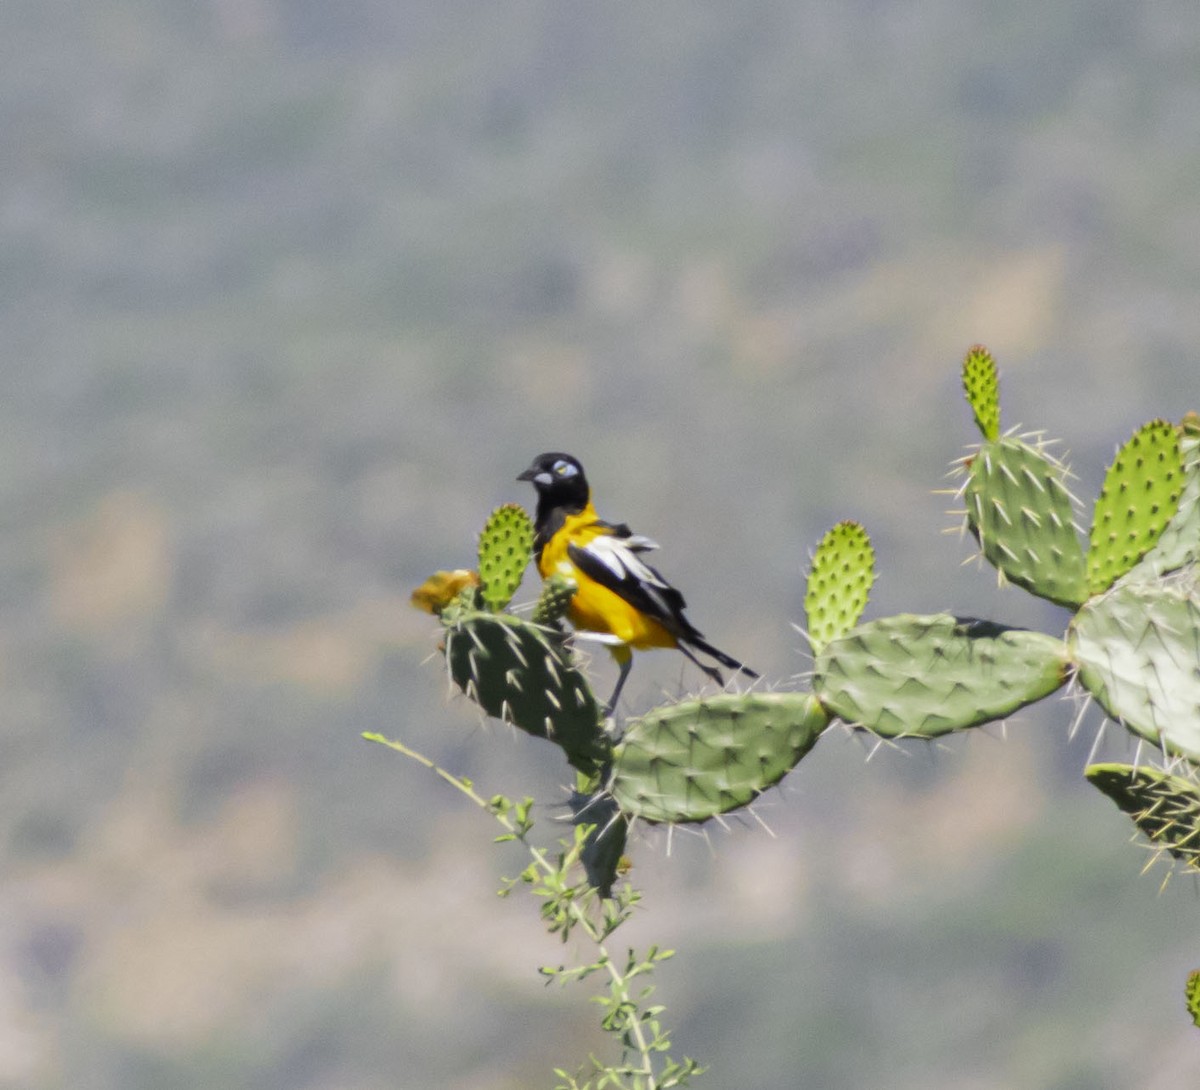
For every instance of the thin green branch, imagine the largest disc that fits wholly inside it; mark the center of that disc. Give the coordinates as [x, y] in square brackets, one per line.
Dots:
[564, 909]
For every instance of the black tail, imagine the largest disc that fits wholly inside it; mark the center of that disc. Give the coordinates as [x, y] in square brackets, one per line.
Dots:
[728, 661]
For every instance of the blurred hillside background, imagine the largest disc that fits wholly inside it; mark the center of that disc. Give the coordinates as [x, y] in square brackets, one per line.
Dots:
[293, 290]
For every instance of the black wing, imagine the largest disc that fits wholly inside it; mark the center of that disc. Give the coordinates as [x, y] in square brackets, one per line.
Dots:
[613, 562]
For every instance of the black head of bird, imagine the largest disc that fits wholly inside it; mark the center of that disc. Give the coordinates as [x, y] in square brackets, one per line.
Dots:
[559, 480]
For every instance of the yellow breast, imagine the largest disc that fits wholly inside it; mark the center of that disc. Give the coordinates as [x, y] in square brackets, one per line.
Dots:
[595, 608]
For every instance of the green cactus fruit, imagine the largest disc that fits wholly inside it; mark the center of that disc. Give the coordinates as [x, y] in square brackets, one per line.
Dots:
[557, 592]
[691, 761]
[981, 384]
[602, 856]
[1138, 652]
[523, 674]
[924, 676]
[1139, 498]
[1165, 808]
[839, 581]
[1179, 543]
[1021, 513]
[505, 547]
[1191, 994]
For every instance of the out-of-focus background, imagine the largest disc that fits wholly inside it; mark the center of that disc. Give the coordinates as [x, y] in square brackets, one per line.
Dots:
[293, 290]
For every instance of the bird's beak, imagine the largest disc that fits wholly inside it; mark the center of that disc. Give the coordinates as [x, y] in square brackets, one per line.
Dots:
[536, 475]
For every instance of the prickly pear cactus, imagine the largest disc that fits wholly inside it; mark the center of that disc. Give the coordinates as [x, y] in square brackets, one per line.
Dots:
[602, 856]
[981, 384]
[523, 673]
[1191, 996]
[557, 592]
[924, 676]
[1020, 512]
[1139, 499]
[1133, 644]
[1165, 808]
[839, 582]
[1017, 504]
[691, 761]
[1138, 652]
[505, 547]
[1178, 545]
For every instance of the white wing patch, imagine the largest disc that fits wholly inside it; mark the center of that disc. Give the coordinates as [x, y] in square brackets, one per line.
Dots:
[619, 555]
[607, 639]
[639, 543]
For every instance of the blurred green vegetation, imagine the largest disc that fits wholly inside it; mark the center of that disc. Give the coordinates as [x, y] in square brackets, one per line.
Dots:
[291, 291]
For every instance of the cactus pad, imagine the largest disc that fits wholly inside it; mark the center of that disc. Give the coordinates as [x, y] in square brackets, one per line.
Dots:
[1179, 543]
[924, 676]
[1139, 498]
[981, 384]
[505, 547]
[557, 592]
[602, 856]
[1021, 513]
[839, 581]
[1165, 808]
[1138, 651]
[522, 673]
[691, 761]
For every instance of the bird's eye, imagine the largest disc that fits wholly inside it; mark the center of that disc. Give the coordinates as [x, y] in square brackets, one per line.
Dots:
[565, 469]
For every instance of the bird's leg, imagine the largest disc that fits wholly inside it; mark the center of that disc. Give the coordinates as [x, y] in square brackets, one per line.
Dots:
[626, 665]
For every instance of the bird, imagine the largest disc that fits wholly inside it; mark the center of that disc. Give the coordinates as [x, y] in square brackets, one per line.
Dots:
[620, 600]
